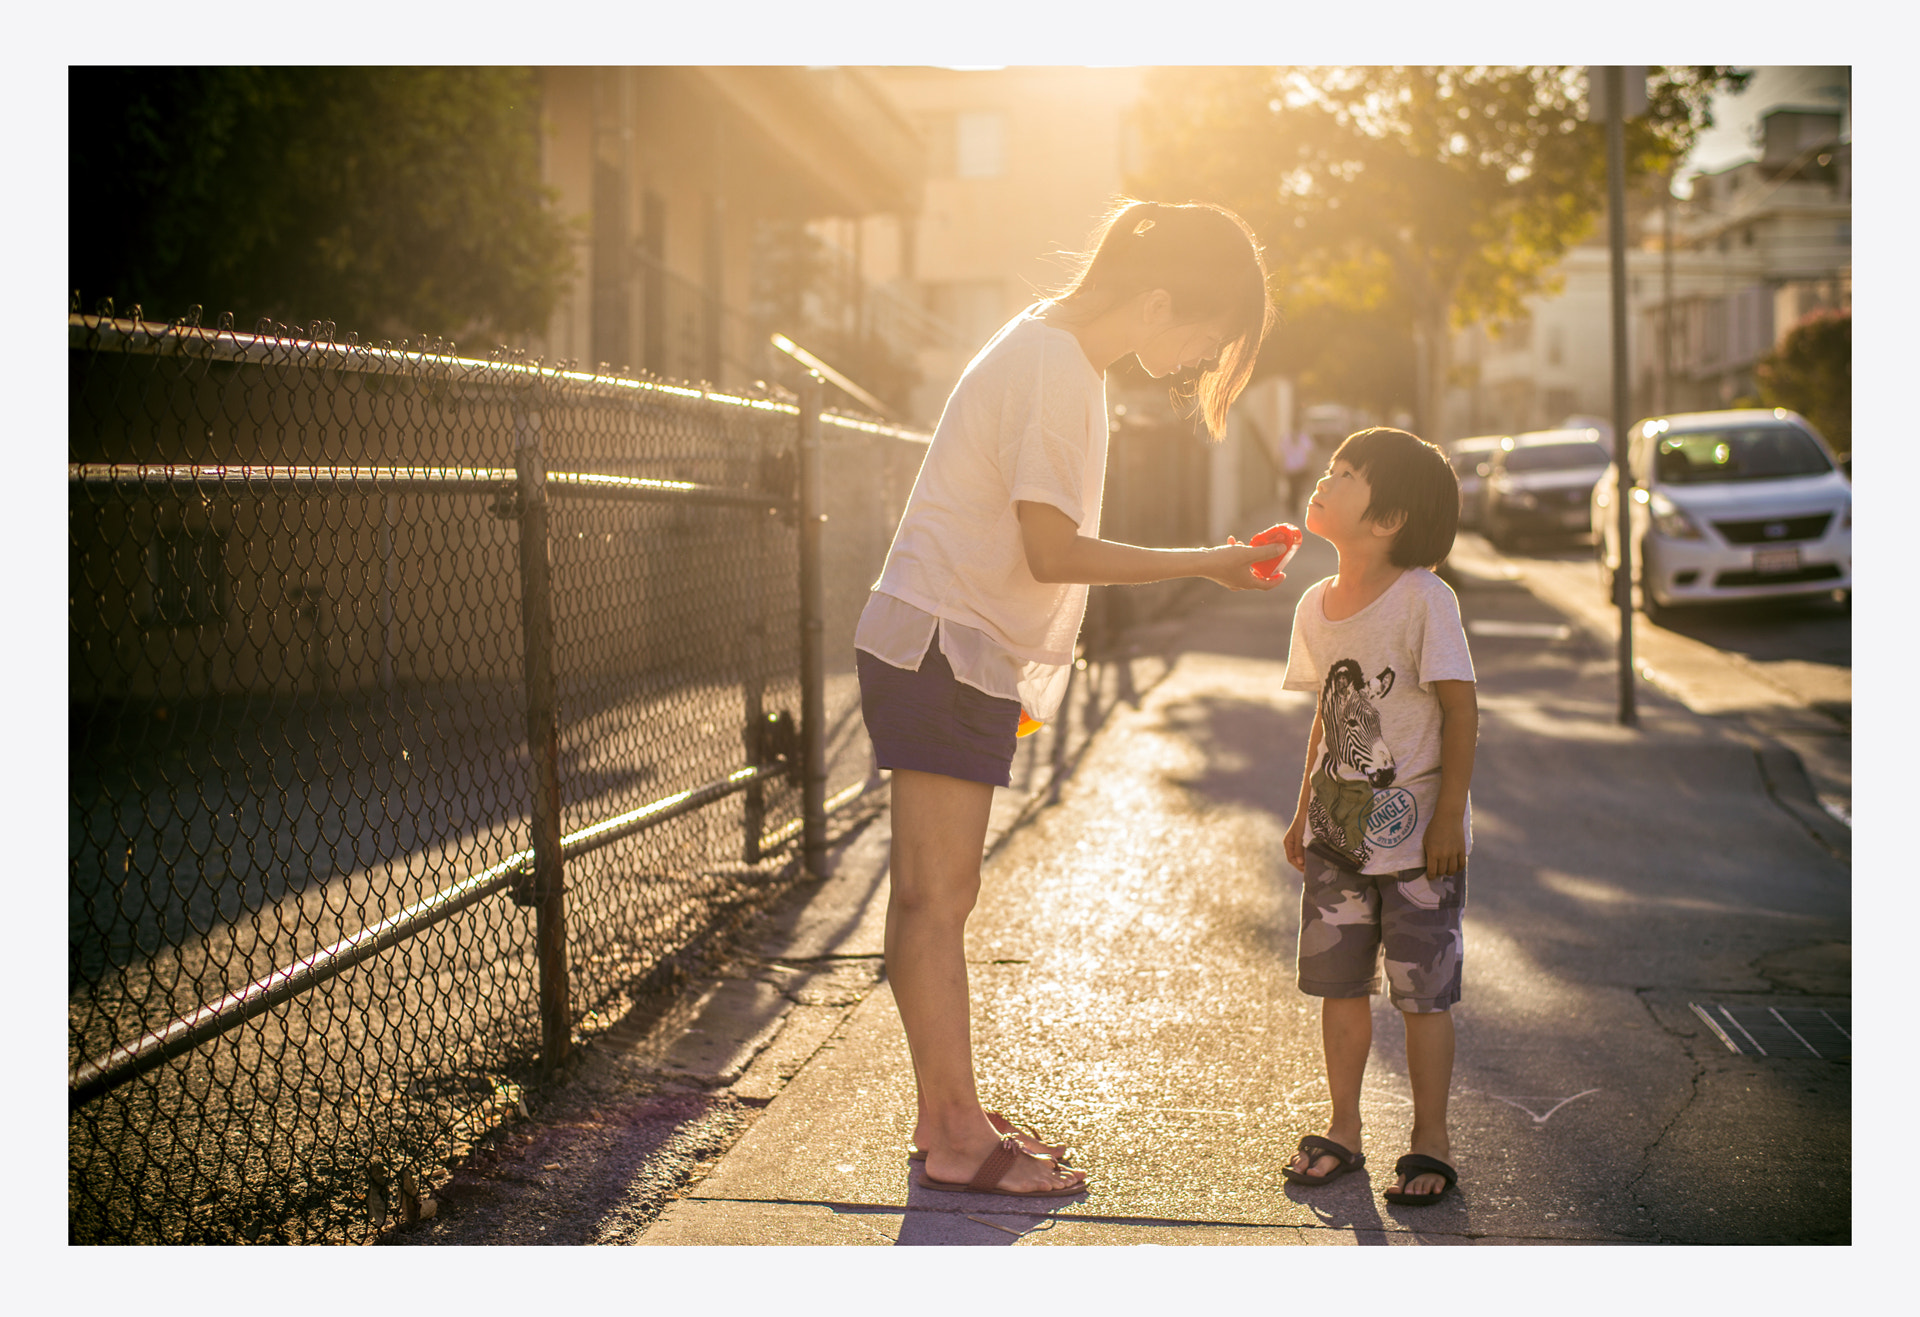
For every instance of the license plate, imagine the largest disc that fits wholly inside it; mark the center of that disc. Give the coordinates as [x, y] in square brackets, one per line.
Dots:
[1769, 561]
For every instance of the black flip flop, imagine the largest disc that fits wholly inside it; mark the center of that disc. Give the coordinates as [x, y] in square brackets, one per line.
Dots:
[1316, 1146]
[1412, 1166]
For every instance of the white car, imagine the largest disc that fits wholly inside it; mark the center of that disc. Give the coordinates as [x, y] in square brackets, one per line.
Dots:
[1730, 505]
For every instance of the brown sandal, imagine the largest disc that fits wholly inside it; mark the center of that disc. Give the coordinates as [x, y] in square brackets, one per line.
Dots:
[1061, 1152]
[987, 1178]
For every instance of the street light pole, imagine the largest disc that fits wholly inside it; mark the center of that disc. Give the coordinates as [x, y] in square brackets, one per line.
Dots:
[1616, 86]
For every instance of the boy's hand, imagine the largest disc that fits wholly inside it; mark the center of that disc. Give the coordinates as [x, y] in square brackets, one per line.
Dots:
[1444, 847]
[1231, 565]
[1296, 842]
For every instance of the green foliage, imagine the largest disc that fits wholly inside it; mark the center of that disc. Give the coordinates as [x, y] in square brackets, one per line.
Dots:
[391, 201]
[1811, 372]
[1430, 196]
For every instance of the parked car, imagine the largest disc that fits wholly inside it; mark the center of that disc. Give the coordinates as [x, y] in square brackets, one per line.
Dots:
[1541, 483]
[1731, 505]
[1469, 458]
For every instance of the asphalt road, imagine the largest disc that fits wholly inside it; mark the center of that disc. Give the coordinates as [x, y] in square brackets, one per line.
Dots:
[1785, 666]
[1805, 646]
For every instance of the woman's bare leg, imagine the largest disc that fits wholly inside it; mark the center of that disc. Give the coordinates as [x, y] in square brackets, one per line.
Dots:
[939, 831]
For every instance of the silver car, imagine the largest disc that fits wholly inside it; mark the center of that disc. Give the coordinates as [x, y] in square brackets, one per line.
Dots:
[1730, 505]
[1469, 460]
[1541, 483]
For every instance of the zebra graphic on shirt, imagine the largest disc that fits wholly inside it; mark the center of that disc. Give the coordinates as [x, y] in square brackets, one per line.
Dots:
[1356, 760]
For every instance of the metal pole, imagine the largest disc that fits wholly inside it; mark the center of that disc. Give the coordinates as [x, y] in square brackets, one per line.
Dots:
[813, 694]
[543, 740]
[1666, 297]
[1617, 243]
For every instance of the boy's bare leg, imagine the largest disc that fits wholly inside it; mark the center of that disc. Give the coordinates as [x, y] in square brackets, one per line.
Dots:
[1430, 1071]
[939, 830]
[1346, 1036]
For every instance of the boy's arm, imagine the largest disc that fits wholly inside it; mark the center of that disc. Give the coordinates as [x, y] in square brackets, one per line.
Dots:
[1445, 845]
[1296, 839]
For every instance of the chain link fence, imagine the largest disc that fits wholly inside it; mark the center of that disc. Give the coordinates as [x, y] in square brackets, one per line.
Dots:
[421, 710]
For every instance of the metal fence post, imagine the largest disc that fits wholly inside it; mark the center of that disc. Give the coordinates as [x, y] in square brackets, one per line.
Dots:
[813, 692]
[543, 740]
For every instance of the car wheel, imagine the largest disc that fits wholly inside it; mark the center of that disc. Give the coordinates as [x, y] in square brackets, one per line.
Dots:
[1650, 605]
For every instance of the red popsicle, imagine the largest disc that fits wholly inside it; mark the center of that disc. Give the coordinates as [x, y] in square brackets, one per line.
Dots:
[1284, 533]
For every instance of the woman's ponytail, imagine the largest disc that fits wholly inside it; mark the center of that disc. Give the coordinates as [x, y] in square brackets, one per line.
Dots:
[1208, 261]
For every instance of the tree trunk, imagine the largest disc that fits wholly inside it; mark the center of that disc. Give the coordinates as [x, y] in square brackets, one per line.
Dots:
[1434, 356]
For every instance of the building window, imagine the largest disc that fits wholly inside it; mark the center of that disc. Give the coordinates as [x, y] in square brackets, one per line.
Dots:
[186, 578]
[980, 145]
[1556, 345]
[1561, 403]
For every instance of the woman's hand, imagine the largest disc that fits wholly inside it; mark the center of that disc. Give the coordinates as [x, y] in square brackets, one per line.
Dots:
[1232, 565]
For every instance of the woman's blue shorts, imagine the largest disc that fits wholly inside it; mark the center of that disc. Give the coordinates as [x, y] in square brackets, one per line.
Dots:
[932, 722]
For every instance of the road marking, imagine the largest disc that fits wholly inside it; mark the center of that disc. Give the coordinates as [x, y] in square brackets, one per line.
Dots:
[1774, 1011]
[1718, 1032]
[1538, 1118]
[1743, 1029]
[1836, 1024]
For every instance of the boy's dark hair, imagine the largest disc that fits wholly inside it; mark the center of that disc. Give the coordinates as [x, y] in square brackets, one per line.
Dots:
[1412, 477]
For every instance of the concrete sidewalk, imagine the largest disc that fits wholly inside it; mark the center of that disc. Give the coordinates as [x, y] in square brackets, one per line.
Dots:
[1132, 962]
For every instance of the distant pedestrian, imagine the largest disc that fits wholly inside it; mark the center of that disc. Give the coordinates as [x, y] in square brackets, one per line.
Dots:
[1382, 829]
[1297, 454]
[976, 613]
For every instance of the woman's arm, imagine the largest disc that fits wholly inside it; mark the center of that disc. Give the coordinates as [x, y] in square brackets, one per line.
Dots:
[1058, 553]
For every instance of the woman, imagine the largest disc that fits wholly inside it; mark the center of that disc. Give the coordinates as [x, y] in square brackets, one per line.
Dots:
[975, 616]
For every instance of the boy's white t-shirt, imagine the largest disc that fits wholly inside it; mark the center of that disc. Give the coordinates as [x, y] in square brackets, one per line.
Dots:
[1026, 422]
[1377, 776]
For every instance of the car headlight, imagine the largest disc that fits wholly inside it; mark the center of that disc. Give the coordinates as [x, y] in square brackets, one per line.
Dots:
[1669, 520]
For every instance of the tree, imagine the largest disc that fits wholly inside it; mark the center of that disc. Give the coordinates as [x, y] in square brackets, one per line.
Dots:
[1431, 197]
[390, 201]
[1811, 372]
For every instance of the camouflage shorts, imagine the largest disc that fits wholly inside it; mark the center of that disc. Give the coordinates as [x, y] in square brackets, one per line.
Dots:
[1350, 923]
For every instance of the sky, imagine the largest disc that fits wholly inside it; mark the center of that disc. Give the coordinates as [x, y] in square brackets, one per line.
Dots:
[1735, 134]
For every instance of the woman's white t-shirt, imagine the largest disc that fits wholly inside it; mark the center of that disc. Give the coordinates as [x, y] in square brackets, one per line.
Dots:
[1026, 423]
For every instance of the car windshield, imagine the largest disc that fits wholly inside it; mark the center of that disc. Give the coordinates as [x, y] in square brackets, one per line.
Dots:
[1754, 452]
[1556, 457]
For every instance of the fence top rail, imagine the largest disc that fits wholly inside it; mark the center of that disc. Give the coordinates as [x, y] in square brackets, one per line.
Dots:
[201, 477]
[222, 344]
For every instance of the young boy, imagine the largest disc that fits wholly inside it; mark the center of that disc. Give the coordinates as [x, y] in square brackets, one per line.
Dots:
[1382, 831]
